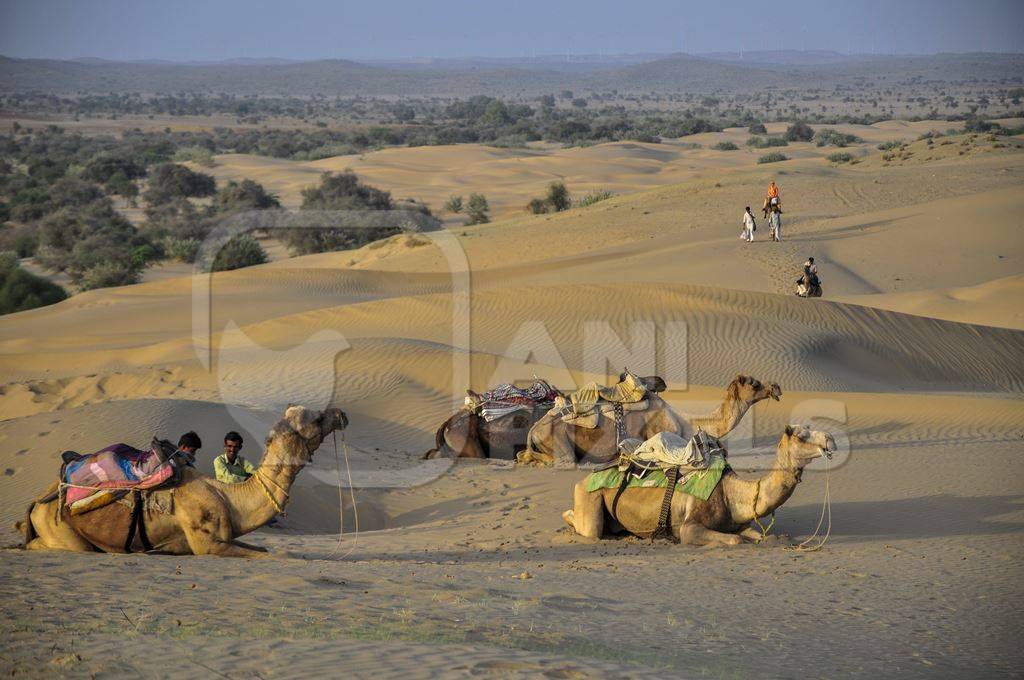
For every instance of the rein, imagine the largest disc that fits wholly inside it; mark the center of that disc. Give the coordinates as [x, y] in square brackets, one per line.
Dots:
[826, 509]
[341, 497]
[263, 481]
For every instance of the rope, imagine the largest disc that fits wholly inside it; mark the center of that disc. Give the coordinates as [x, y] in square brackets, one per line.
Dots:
[341, 498]
[277, 506]
[826, 508]
[757, 520]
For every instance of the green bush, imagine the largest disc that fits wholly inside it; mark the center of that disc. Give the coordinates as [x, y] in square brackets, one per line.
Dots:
[181, 249]
[773, 157]
[831, 137]
[757, 129]
[477, 210]
[341, 191]
[169, 181]
[241, 251]
[725, 146]
[107, 275]
[886, 146]
[453, 204]
[558, 197]
[595, 197]
[766, 142]
[196, 154]
[840, 157]
[537, 206]
[799, 132]
[245, 195]
[21, 290]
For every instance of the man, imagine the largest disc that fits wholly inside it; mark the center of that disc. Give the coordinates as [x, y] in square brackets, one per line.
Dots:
[188, 444]
[230, 467]
[773, 192]
[775, 222]
[749, 226]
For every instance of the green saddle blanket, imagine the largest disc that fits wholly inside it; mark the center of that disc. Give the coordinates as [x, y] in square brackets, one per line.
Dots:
[700, 483]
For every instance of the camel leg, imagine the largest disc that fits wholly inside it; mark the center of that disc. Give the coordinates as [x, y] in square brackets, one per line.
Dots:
[697, 534]
[250, 546]
[51, 535]
[587, 514]
[751, 534]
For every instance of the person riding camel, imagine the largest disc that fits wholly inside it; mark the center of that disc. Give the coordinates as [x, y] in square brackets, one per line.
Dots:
[772, 202]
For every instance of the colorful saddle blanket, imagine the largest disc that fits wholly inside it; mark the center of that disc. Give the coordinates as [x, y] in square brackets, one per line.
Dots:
[699, 483]
[116, 468]
[507, 398]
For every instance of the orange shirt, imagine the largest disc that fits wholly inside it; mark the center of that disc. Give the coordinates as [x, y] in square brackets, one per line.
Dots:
[773, 191]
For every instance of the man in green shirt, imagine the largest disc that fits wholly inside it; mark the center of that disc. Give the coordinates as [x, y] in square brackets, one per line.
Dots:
[230, 467]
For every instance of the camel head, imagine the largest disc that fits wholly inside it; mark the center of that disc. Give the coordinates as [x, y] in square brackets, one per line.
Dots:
[296, 436]
[800, 445]
[751, 390]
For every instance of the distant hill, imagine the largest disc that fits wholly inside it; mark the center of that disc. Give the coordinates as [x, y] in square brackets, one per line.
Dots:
[504, 77]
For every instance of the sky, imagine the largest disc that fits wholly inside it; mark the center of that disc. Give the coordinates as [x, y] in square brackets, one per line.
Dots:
[184, 30]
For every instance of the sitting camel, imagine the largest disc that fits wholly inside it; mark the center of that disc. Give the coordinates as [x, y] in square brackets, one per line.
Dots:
[723, 519]
[553, 441]
[468, 435]
[199, 515]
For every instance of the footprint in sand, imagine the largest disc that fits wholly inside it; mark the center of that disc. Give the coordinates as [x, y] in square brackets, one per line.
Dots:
[21, 453]
[10, 472]
[43, 433]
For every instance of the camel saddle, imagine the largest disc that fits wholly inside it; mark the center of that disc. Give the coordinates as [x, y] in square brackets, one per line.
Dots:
[97, 479]
[585, 406]
[506, 399]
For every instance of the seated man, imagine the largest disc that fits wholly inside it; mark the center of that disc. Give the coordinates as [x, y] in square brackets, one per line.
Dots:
[230, 467]
[188, 444]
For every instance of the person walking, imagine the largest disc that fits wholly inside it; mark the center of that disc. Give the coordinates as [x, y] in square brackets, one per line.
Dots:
[749, 226]
[775, 222]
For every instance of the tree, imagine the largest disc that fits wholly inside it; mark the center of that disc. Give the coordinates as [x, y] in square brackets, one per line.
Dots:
[496, 114]
[757, 129]
[453, 204]
[477, 210]
[799, 132]
[342, 191]
[558, 197]
[537, 206]
[547, 100]
[168, 181]
[245, 195]
[241, 251]
[21, 290]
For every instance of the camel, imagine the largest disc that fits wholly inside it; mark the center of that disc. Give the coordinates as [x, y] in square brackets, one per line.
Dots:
[467, 435]
[724, 519]
[200, 515]
[552, 441]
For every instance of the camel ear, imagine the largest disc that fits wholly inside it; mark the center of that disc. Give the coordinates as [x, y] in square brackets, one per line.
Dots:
[789, 430]
[742, 379]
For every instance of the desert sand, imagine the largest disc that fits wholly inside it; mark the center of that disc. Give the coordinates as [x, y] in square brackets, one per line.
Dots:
[914, 358]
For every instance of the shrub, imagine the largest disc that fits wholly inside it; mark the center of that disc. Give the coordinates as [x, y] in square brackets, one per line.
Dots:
[757, 129]
[537, 206]
[196, 154]
[21, 290]
[725, 146]
[773, 157]
[830, 137]
[799, 132]
[453, 204]
[477, 210]
[840, 157]
[108, 274]
[168, 181]
[595, 197]
[978, 125]
[766, 142]
[143, 255]
[341, 191]
[241, 251]
[181, 249]
[558, 197]
[886, 146]
[22, 240]
[245, 195]
[103, 167]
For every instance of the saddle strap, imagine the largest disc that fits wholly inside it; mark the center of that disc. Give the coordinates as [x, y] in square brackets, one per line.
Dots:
[620, 426]
[664, 529]
[138, 525]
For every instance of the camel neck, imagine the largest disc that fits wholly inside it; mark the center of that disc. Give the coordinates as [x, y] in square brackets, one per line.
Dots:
[720, 422]
[750, 499]
[255, 501]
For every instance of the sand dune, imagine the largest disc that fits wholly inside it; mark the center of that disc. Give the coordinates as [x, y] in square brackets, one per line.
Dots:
[913, 359]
